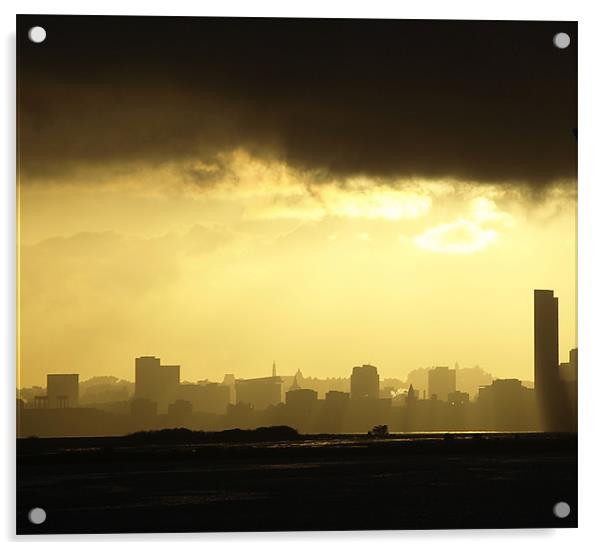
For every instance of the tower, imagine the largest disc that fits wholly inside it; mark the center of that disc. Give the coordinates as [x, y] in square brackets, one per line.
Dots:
[548, 388]
[274, 369]
[545, 341]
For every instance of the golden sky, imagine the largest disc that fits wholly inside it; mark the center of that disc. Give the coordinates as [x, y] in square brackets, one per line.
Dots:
[383, 191]
[270, 262]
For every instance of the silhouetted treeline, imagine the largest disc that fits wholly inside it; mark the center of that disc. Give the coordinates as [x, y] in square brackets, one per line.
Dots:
[184, 435]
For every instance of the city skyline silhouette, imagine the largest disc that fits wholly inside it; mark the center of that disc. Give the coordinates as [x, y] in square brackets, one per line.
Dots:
[161, 399]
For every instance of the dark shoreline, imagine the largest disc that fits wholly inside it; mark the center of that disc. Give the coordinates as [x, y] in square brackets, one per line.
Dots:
[320, 482]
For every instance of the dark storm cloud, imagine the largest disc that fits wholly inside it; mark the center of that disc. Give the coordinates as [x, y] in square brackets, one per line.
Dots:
[478, 100]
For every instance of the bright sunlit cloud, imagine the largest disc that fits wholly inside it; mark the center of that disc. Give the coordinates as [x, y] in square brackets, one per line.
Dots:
[467, 234]
[485, 210]
[459, 237]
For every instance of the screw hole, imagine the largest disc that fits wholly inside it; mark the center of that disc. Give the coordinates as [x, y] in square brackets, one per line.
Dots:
[37, 34]
[561, 40]
[37, 516]
[561, 510]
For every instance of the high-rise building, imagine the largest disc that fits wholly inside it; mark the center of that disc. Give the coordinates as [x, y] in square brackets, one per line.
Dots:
[441, 382]
[62, 390]
[545, 343]
[156, 382]
[550, 391]
[365, 382]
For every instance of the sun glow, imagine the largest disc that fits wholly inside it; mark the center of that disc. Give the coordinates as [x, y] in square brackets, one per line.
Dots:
[459, 237]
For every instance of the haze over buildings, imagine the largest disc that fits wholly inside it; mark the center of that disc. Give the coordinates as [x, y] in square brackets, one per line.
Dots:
[160, 399]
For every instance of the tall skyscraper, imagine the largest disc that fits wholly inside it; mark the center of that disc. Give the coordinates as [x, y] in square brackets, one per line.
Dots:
[548, 388]
[545, 342]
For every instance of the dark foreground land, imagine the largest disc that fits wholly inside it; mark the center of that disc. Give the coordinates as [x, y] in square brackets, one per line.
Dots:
[167, 484]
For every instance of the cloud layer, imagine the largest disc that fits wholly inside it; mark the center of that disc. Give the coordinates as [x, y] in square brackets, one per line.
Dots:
[482, 101]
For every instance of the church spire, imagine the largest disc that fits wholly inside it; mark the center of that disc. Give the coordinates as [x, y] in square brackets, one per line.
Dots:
[274, 368]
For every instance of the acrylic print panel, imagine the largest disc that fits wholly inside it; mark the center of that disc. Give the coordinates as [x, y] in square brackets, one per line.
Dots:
[295, 274]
